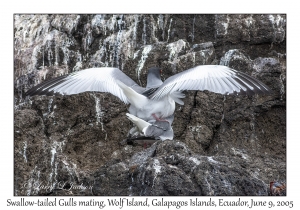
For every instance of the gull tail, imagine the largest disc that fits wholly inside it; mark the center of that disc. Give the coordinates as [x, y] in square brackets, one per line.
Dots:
[176, 96]
[141, 124]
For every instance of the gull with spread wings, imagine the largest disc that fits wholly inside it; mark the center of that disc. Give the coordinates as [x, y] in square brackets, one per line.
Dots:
[156, 101]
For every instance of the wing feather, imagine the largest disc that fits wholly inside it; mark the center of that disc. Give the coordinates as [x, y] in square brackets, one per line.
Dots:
[215, 78]
[94, 79]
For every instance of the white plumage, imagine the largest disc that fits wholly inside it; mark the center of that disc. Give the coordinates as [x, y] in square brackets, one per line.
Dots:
[158, 99]
[218, 79]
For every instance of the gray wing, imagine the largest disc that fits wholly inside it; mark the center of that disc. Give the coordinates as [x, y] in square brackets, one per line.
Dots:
[215, 78]
[94, 79]
[160, 129]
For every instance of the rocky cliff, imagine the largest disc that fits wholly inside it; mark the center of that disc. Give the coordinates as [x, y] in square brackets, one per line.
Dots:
[223, 145]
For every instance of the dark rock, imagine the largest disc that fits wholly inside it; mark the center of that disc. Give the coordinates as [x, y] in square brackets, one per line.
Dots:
[223, 145]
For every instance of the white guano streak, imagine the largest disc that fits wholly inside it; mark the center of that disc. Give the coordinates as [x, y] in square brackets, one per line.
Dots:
[142, 61]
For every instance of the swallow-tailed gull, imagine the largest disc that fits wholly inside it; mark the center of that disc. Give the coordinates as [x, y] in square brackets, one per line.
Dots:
[157, 100]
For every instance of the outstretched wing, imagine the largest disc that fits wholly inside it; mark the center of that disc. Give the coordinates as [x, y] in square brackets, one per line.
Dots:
[215, 78]
[94, 79]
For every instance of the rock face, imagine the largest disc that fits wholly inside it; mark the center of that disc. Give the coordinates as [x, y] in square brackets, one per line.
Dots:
[70, 145]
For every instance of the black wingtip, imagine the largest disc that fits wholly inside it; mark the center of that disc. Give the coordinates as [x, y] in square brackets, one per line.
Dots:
[245, 81]
[149, 92]
[43, 88]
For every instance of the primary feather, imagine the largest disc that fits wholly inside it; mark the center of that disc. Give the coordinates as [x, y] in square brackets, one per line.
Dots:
[218, 79]
[95, 79]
